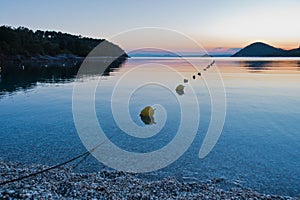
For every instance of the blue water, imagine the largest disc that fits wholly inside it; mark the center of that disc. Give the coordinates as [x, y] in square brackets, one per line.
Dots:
[259, 146]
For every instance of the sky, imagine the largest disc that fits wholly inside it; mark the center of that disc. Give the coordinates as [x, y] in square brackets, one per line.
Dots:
[219, 26]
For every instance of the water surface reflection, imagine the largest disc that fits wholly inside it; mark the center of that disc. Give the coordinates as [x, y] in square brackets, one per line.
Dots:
[24, 76]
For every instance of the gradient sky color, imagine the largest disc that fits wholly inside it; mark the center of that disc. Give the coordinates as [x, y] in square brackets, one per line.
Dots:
[217, 25]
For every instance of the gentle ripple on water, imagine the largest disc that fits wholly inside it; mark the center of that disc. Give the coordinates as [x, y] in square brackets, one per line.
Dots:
[259, 145]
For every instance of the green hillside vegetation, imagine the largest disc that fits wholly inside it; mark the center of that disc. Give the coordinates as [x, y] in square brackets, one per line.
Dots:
[25, 42]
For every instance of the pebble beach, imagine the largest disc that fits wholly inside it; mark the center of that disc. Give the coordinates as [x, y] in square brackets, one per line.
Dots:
[63, 183]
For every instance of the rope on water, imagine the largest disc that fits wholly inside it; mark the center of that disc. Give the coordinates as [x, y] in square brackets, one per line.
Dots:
[85, 154]
[80, 161]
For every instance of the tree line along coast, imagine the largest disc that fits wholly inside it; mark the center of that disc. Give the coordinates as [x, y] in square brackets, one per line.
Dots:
[22, 43]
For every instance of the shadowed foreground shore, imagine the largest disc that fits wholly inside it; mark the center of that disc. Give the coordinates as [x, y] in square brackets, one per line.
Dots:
[62, 183]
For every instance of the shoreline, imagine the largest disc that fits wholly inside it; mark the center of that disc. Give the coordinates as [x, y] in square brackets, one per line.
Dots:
[39, 58]
[63, 183]
[48, 58]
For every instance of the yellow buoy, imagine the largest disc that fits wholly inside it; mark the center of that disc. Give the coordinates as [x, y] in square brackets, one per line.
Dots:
[179, 89]
[149, 120]
[148, 111]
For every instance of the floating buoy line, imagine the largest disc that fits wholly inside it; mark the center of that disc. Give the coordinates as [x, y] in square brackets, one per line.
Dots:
[194, 76]
[179, 88]
[147, 113]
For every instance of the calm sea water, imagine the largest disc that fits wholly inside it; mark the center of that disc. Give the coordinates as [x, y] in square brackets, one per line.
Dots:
[259, 146]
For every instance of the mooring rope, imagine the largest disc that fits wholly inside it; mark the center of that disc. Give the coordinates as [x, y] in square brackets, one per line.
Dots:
[85, 154]
[80, 161]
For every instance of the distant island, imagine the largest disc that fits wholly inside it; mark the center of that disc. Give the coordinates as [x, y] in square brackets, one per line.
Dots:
[259, 49]
[21, 43]
[152, 52]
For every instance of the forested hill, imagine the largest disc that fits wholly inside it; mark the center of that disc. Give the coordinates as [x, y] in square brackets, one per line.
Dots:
[24, 42]
[259, 49]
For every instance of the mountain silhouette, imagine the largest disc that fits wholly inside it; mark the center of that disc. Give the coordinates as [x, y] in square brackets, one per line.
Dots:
[259, 49]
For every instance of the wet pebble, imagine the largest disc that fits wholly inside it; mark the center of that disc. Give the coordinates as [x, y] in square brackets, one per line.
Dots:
[62, 183]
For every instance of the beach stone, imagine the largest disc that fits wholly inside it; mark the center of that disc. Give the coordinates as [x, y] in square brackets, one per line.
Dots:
[62, 183]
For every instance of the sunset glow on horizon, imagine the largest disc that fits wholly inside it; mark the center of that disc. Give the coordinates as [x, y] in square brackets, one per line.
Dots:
[216, 25]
